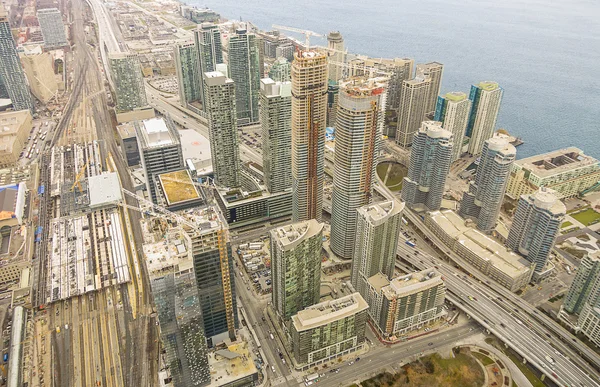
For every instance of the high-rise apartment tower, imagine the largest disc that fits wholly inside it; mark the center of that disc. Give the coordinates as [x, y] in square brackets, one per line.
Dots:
[219, 92]
[53, 28]
[452, 111]
[309, 116]
[276, 122]
[335, 43]
[188, 73]
[433, 71]
[535, 226]
[411, 110]
[485, 98]
[359, 124]
[296, 266]
[484, 198]
[126, 72]
[244, 69]
[430, 159]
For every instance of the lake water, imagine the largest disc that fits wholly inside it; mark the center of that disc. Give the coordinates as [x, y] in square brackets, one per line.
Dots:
[545, 54]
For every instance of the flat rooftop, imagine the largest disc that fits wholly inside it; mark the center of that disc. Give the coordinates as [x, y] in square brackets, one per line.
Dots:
[104, 189]
[329, 311]
[231, 364]
[178, 187]
[556, 162]
[411, 283]
[291, 235]
[155, 132]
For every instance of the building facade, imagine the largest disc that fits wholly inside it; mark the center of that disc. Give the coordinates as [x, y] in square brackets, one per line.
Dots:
[433, 71]
[485, 104]
[210, 50]
[452, 110]
[377, 232]
[405, 303]
[567, 171]
[359, 124]
[160, 150]
[535, 226]
[11, 72]
[188, 73]
[220, 107]
[39, 69]
[430, 160]
[281, 70]
[276, 124]
[335, 43]
[129, 83]
[15, 128]
[328, 330]
[586, 284]
[296, 266]
[309, 117]
[411, 109]
[53, 28]
[484, 198]
[241, 208]
[244, 69]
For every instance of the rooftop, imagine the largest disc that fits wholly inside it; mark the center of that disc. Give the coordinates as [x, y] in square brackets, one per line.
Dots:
[155, 132]
[488, 85]
[270, 88]
[483, 246]
[455, 96]
[556, 162]
[329, 311]
[104, 189]
[231, 364]
[363, 86]
[178, 187]
[546, 199]
[291, 235]
[410, 283]
[377, 213]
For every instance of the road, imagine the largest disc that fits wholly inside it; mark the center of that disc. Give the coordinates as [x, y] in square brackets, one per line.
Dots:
[508, 320]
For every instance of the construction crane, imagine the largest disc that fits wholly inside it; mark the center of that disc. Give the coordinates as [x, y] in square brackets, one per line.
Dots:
[78, 179]
[307, 34]
[370, 70]
[157, 210]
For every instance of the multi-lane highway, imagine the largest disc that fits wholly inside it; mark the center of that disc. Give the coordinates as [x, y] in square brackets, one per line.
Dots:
[494, 309]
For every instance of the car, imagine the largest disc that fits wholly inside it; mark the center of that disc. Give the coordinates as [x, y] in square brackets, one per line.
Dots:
[430, 344]
[357, 359]
[273, 369]
[248, 287]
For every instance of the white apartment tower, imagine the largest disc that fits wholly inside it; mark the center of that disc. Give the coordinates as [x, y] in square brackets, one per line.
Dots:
[359, 124]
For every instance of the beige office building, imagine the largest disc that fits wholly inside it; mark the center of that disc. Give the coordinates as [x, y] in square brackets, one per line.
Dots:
[39, 69]
[14, 129]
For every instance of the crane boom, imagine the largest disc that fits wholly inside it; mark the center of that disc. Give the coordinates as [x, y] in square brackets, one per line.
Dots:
[307, 34]
[165, 213]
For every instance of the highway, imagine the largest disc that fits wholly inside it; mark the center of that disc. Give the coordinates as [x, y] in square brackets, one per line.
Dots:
[495, 310]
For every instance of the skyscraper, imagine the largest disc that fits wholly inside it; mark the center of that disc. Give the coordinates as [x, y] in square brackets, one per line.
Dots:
[430, 159]
[210, 50]
[535, 226]
[244, 69]
[276, 123]
[433, 71]
[126, 72]
[377, 232]
[160, 150]
[53, 29]
[484, 198]
[220, 107]
[296, 266]
[359, 124]
[452, 110]
[281, 71]
[411, 110]
[485, 98]
[11, 71]
[309, 116]
[188, 75]
[586, 284]
[335, 43]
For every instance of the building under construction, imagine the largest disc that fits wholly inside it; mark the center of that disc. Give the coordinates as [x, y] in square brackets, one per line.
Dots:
[82, 236]
[309, 118]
